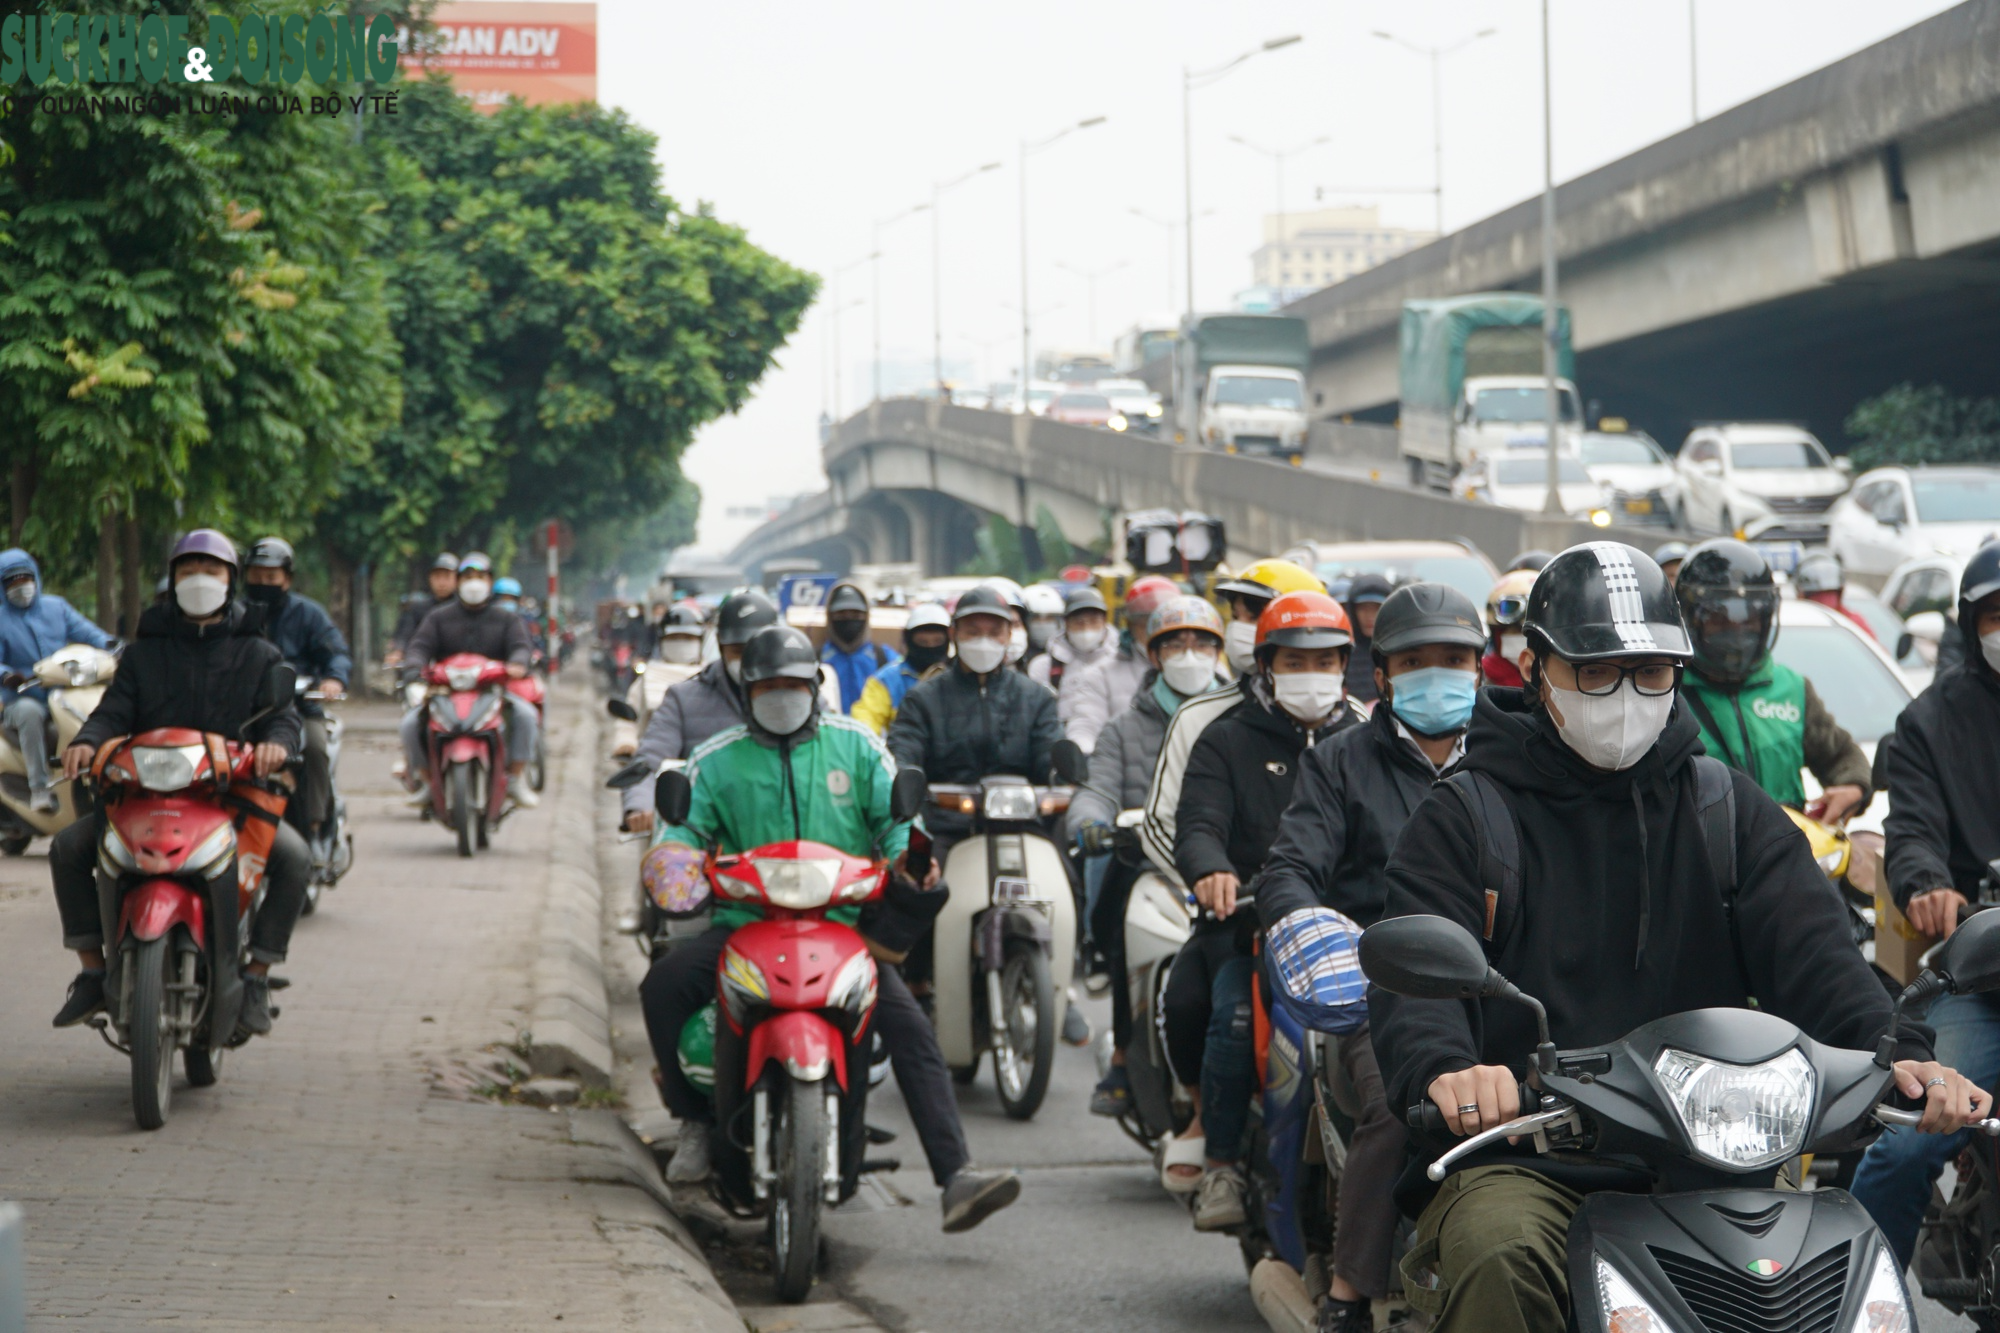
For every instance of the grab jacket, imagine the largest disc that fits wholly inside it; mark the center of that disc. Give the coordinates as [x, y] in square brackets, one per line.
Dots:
[959, 727]
[30, 633]
[180, 674]
[1773, 726]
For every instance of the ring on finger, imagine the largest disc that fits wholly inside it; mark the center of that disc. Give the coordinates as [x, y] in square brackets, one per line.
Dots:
[1936, 1082]
[1471, 1108]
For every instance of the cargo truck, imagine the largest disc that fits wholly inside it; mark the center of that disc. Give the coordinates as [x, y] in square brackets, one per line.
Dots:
[1239, 384]
[1472, 383]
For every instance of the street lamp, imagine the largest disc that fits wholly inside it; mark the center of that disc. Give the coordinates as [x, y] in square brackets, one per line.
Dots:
[1190, 79]
[1552, 504]
[1090, 277]
[1694, 71]
[875, 277]
[1278, 156]
[1027, 149]
[1437, 55]
[937, 283]
[829, 351]
[838, 310]
[1169, 226]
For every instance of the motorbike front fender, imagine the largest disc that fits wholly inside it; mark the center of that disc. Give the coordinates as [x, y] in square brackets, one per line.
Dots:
[806, 1044]
[155, 906]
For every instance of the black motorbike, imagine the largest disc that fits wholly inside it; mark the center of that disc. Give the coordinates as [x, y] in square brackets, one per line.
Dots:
[1709, 1105]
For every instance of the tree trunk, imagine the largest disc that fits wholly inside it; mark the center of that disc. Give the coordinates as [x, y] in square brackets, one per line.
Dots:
[340, 593]
[107, 570]
[134, 572]
[22, 478]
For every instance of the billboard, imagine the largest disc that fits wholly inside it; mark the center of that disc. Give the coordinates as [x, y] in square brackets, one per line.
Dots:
[536, 50]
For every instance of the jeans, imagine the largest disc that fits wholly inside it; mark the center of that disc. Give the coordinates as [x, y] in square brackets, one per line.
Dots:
[1229, 1065]
[313, 805]
[1191, 1005]
[520, 730]
[27, 723]
[1107, 929]
[1894, 1182]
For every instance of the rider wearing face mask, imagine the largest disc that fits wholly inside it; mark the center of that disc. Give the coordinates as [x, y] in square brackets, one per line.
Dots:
[1508, 646]
[680, 641]
[1085, 641]
[306, 635]
[1364, 598]
[1045, 609]
[1101, 692]
[708, 702]
[792, 771]
[440, 586]
[470, 623]
[199, 662]
[1615, 913]
[1239, 780]
[33, 624]
[1354, 794]
[848, 649]
[925, 646]
[676, 657]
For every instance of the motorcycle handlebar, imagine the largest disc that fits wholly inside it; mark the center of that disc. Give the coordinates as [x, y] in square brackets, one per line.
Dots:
[1425, 1117]
[1890, 1115]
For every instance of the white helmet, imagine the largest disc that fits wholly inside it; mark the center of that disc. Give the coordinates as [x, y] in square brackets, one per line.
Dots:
[1043, 600]
[927, 614]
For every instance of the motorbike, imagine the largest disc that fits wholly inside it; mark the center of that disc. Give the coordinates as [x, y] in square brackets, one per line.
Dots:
[530, 689]
[1159, 918]
[466, 744]
[332, 847]
[75, 677]
[653, 678]
[797, 994]
[181, 871]
[1711, 1104]
[1004, 945]
[656, 922]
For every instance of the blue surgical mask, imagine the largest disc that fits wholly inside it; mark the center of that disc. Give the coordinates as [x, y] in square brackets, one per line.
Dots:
[1436, 701]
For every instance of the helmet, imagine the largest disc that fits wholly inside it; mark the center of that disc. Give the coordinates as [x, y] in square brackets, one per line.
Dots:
[1042, 600]
[271, 553]
[984, 600]
[1508, 600]
[1146, 596]
[926, 615]
[1085, 598]
[1819, 572]
[1536, 560]
[847, 597]
[1010, 593]
[475, 560]
[681, 620]
[208, 542]
[1729, 602]
[1367, 588]
[1669, 553]
[1303, 620]
[1265, 579]
[1604, 599]
[506, 587]
[779, 652]
[1980, 580]
[743, 614]
[1420, 613]
[446, 561]
[1184, 612]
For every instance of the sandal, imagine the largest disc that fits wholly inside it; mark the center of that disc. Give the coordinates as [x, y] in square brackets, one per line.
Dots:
[1183, 1163]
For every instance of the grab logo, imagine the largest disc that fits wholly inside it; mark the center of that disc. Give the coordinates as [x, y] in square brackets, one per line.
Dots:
[1771, 710]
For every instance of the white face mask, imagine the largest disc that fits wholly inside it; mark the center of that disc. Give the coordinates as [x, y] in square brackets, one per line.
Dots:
[201, 595]
[680, 650]
[1512, 646]
[782, 711]
[734, 666]
[1989, 648]
[981, 655]
[1041, 629]
[1086, 641]
[1611, 731]
[1308, 696]
[22, 594]
[1239, 642]
[474, 592]
[1188, 672]
[1017, 645]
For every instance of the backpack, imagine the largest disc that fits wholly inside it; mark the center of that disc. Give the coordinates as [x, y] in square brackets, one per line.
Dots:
[1500, 841]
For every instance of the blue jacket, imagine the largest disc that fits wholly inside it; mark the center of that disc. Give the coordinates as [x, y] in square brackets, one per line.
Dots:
[27, 635]
[306, 635]
[853, 669]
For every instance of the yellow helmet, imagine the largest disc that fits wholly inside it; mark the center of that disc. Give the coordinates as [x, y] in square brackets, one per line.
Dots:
[1830, 846]
[1266, 579]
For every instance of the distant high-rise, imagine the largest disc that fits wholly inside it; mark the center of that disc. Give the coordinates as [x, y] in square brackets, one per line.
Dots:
[1303, 252]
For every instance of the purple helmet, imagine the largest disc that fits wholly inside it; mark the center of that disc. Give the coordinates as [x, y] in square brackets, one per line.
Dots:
[209, 542]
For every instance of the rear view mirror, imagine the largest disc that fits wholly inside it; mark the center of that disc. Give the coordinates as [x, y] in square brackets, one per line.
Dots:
[906, 794]
[1970, 959]
[1070, 763]
[1426, 957]
[281, 682]
[631, 775]
[1904, 642]
[618, 708]
[673, 796]
[1929, 626]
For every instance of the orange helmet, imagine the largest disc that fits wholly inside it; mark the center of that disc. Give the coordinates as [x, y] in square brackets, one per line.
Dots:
[1144, 597]
[1303, 620]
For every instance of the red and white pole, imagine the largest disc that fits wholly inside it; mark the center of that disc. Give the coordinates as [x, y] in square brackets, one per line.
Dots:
[549, 605]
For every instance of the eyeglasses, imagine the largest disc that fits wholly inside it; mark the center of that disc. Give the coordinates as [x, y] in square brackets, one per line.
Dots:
[1648, 678]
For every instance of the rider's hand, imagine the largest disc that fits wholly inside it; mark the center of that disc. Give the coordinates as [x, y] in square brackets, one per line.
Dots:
[516, 670]
[1951, 1100]
[332, 688]
[1835, 803]
[638, 821]
[268, 758]
[930, 877]
[1936, 913]
[1217, 893]
[13, 680]
[1493, 1088]
[77, 758]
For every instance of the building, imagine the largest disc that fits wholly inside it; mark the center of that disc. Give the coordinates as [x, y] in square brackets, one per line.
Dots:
[1303, 252]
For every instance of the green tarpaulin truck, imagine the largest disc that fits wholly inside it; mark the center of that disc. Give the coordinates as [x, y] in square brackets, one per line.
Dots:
[1472, 382]
[1239, 384]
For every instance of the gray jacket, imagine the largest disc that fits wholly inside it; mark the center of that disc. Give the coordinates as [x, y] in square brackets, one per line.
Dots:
[693, 710]
[1121, 767]
[1101, 692]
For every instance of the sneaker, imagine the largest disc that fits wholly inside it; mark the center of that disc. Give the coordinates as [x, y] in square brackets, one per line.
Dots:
[690, 1161]
[255, 1016]
[521, 794]
[43, 802]
[1346, 1316]
[86, 997]
[973, 1196]
[1218, 1204]
[1075, 1027]
[1113, 1094]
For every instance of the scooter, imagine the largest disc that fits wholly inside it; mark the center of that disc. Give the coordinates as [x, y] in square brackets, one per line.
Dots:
[658, 920]
[332, 847]
[1713, 1102]
[654, 677]
[1004, 944]
[1159, 918]
[466, 746]
[75, 677]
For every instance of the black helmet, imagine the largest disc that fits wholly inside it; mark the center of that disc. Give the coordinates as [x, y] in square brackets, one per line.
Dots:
[743, 614]
[1729, 602]
[446, 561]
[1536, 560]
[1980, 580]
[1819, 572]
[779, 652]
[681, 620]
[271, 553]
[1604, 599]
[847, 597]
[1085, 598]
[1367, 588]
[1670, 552]
[984, 600]
[1420, 613]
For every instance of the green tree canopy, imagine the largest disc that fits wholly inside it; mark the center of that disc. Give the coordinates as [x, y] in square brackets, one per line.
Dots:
[1928, 425]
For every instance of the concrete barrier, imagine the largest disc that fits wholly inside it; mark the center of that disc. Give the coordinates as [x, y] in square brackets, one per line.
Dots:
[13, 1271]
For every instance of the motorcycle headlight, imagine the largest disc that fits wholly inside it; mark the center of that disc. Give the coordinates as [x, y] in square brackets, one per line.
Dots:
[211, 857]
[853, 988]
[798, 885]
[1884, 1307]
[743, 986]
[166, 767]
[1010, 803]
[1740, 1116]
[1622, 1307]
[462, 677]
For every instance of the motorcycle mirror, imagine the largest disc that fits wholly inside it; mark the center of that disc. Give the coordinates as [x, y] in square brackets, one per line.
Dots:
[1071, 764]
[1970, 959]
[618, 708]
[673, 796]
[1426, 957]
[1904, 642]
[906, 794]
[280, 683]
[631, 775]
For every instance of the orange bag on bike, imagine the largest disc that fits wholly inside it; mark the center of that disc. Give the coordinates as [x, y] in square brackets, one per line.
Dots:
[256, 810]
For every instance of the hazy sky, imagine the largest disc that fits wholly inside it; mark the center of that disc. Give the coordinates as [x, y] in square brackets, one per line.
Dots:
[804, 123]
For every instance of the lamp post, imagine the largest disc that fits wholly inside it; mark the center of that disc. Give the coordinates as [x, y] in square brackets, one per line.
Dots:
[937, 271]
[1090, 277]
[829, 352]
[837, 311]
[1027, 149]
[1436, 55]
[1552, 504]
[1169, 226]
[875, 277]
[1694, 71]
[1278, 156]
[1190, 80]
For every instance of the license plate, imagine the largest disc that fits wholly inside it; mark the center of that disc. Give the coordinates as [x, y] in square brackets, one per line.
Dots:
[1016, 893]
[1638, 506]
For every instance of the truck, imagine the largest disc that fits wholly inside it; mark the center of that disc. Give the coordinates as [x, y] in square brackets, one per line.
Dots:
[1239, 384]
[1472, 386]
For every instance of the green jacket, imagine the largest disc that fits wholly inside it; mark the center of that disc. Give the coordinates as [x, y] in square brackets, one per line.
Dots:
[1772, 727]
[831, 787]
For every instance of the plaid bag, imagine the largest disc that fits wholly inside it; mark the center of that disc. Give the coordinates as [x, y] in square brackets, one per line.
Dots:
[1315, 970]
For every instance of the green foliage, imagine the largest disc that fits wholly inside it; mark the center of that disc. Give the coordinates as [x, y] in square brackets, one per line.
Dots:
[1054, 545]
[1910, 425]
[999, 549]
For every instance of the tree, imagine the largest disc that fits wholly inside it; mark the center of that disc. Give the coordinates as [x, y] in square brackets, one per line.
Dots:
[1910, 425]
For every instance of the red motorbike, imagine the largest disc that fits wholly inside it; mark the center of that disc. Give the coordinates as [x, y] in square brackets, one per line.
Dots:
[797, 994]
[187, 829]
[465, 741]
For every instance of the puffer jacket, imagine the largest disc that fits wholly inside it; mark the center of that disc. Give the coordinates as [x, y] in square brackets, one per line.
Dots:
[1121, 767]
[205, 677]
[30, 633]
[693, 711]
[959, 727]
[1102, 692]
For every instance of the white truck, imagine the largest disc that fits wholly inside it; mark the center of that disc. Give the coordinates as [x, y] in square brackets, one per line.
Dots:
[1239, 384]
[1472, 385]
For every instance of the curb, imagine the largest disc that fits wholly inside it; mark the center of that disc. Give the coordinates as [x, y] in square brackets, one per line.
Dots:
[569, 1023]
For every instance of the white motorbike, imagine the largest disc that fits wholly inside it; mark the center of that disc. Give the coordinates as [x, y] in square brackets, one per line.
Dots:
[651, 681]
[75, 677]
[1159, 918]
[333, 849]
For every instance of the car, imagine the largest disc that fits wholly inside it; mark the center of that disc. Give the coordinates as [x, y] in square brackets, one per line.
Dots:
[1518, 479]
[1852, 675]
[1139, 405]
[1081, 407]
[1766, 481]
[1889, 631]
[1644, 487]
[1459, 564]
[1895, 514]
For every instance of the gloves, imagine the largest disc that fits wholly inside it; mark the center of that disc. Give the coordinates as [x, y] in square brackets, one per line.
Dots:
[897, 920]
[1095, 837]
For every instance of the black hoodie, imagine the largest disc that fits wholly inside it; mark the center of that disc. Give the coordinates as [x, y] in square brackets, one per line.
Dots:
[1621, 920]
[177, 673]
[1942, 767]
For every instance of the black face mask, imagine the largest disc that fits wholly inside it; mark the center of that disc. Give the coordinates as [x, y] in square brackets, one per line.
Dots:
[265, 594]
[849, 630]
[922, 659]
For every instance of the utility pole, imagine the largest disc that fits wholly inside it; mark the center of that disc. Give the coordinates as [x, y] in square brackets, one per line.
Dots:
[937, 271]
[1278, 156]
[1436, 55]
[1190, 80]
[1090, 277]
[1552, 504]
[1694, 71]
[1027, 150]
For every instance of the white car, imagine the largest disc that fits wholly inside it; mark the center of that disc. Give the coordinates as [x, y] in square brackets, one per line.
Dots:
[1895, 514]
[1766, 481]
[1644, 487]
[1518, 479]
[1139, 405]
